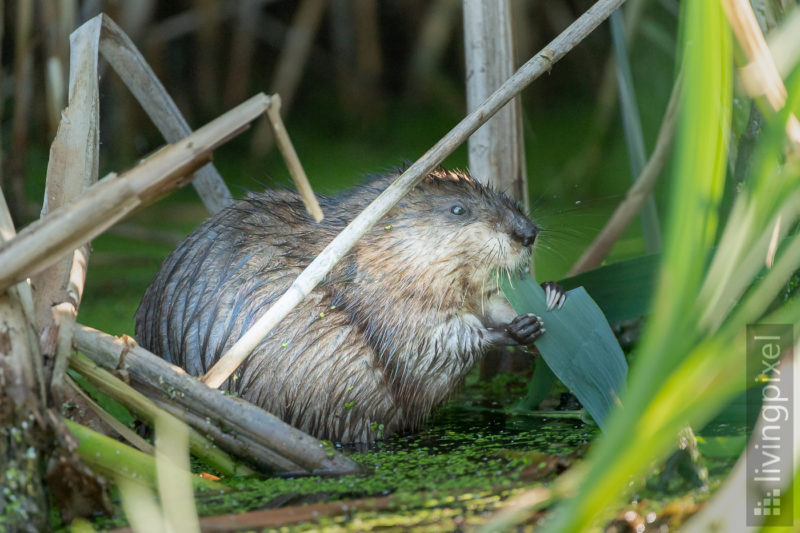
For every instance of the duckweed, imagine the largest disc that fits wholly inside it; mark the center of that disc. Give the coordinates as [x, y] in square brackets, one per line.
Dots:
[451, 475]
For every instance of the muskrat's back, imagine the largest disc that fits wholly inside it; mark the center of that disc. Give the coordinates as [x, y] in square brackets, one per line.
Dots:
[386, 336]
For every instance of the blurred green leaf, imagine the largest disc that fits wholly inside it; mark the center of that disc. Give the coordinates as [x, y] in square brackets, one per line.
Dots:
[578, 346]
[623, 290]
[726, 446]
[736, 412]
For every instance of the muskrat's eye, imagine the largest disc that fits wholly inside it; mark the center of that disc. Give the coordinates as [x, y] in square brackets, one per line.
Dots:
[458, 210]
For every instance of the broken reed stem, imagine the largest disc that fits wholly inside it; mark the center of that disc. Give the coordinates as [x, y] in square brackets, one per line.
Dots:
[47, 240]
[141, 81]
[639, 192]
[146, 410]
[242, 417]
[71, 169]
[760, 76]
[25, 295]
[497, 150]
[292, 161]
[324, 262]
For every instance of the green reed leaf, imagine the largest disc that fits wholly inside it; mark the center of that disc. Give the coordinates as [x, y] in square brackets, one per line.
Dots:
[578, 345]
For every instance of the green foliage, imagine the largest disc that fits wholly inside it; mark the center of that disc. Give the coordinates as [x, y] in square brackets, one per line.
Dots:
[623, 290]
[688, 365]
[722, 446]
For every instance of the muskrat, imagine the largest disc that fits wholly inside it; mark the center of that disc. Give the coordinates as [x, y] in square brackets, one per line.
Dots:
[388, 334]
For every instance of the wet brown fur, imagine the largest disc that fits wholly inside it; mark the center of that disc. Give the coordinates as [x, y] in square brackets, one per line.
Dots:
[388, 334]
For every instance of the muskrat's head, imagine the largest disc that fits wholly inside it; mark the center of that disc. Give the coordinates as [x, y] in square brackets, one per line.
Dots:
[453, 229]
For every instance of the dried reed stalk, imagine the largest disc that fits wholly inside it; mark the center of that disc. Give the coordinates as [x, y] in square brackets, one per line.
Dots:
[137, 75]
[760, 76]
[140, 79]
[497, 149]
[71, 169]
[244, 418]
[253, 451]
[24, 294]
[291, 159]
[47, 240]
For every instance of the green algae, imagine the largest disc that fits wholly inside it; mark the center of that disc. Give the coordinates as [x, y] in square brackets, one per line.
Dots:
[463, 457]
[468, 459]
[448, 457]
[471, 456]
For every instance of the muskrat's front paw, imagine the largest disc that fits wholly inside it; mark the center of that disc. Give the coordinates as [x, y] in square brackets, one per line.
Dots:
[525, 328]
[554, 295]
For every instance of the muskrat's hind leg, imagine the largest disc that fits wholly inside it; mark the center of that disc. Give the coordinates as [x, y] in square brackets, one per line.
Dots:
[554, 295]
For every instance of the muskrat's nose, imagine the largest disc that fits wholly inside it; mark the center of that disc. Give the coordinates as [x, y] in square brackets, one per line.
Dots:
[525, 232]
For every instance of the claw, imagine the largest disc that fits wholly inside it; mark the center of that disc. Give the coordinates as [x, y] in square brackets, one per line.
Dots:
[554, 295]
[525, 329]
